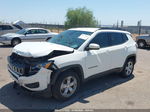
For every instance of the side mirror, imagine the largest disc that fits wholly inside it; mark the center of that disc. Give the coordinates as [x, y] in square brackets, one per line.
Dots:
[93, 46]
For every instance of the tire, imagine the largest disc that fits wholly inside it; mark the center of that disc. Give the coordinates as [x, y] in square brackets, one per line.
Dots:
[141, 44]
[15, 42]
[63, 90]
[128, 68]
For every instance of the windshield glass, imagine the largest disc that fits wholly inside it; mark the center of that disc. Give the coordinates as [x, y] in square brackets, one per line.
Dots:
[71, 38]
[23, 31]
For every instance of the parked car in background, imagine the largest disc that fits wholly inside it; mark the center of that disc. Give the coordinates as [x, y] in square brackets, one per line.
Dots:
[28, 34]
[59, 66]
[143, 41]
[6, 28]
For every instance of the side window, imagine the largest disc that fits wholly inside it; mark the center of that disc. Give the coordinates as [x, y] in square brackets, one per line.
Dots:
[116, 38]
[42, 31]
[7, 27]
[33, 31]
[102, 40]
[0, 27]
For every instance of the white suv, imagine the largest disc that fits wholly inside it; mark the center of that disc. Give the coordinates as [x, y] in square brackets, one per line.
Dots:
[62, 64]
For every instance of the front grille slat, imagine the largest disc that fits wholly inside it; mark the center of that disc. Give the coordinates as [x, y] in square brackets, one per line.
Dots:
[18, 64]
[17, 70]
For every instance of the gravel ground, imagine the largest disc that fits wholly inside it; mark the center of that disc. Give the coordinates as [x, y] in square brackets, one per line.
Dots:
[108, 92]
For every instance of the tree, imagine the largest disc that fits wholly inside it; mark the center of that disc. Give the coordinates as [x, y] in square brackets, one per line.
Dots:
[80, 17]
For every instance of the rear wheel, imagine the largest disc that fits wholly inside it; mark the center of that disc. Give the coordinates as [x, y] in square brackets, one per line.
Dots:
[66, 86]
[15, 42]
[128, 68]
[141, 44]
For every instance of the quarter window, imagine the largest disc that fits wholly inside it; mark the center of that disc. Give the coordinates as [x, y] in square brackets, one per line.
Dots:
[34, 31]
[42, 31]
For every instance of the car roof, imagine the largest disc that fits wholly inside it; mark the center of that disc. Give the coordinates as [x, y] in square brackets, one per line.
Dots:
[98, 29]
[85, 29]
[116, 31]
[34, 28]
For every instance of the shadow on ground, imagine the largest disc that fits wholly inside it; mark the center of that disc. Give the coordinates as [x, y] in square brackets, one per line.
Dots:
[16, 99]
[146, 48]
[5, 46]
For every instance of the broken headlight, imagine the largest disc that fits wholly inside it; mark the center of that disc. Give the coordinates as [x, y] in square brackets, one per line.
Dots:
[35, 68]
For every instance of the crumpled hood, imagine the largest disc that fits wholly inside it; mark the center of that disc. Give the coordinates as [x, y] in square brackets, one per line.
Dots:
[38, 49]
[12, 35]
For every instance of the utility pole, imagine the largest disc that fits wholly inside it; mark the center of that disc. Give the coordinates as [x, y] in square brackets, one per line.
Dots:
[117, 24]
[122, 23]
[139, 26]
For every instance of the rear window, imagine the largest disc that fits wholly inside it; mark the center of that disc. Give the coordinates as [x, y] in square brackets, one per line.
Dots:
[117, 38]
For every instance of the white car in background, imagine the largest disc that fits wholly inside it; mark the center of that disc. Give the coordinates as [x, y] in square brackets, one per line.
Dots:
[28, 34]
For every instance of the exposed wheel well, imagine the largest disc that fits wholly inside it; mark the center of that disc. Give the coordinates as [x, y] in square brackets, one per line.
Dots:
[16, 38]
[141, 40]
[78, 71]
[133, 57]
[74, 68]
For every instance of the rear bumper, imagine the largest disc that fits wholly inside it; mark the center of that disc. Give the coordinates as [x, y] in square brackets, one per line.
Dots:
[36, 83]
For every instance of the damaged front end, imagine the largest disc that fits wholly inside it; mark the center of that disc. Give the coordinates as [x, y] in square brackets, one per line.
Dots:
[34, 74]
[27, 66]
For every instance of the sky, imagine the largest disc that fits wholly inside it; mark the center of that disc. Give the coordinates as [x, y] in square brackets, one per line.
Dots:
[107, 12]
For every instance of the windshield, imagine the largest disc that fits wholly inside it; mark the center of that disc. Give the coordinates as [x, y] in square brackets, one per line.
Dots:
[71, 38]
[23, 31]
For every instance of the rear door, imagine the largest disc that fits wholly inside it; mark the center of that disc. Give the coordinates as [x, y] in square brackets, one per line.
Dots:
[118, 49]
[42, 35]
[32, 35]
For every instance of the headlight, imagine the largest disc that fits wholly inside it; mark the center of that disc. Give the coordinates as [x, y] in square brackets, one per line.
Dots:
[34, 69]
[44, 65]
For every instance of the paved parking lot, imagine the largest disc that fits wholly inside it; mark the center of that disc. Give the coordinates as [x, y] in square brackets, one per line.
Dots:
[108, 92]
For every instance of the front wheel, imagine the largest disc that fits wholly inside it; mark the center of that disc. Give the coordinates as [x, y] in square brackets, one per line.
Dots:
[128, 68]
[66, 86]
[15, 42]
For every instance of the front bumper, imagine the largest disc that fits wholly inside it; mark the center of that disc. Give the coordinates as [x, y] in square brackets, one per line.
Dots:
[37, 82]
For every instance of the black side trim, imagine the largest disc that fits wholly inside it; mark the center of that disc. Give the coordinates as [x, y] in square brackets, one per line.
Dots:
[58, 72]
[116, 70]
[130, 56]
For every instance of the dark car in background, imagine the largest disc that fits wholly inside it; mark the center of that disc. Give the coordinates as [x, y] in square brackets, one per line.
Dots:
[6, 28]
[143, 41]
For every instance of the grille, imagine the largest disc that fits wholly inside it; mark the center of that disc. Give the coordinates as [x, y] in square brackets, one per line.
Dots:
[19, 64]
[19, 71]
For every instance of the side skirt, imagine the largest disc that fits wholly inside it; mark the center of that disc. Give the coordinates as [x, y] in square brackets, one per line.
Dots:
[116, 70]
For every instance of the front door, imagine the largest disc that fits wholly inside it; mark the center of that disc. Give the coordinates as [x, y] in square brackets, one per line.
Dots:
[98, 61]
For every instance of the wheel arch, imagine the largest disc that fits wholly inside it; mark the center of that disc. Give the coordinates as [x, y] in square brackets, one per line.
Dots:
[132, 56]
[142, 40]
[75, 68]
[15, 38]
